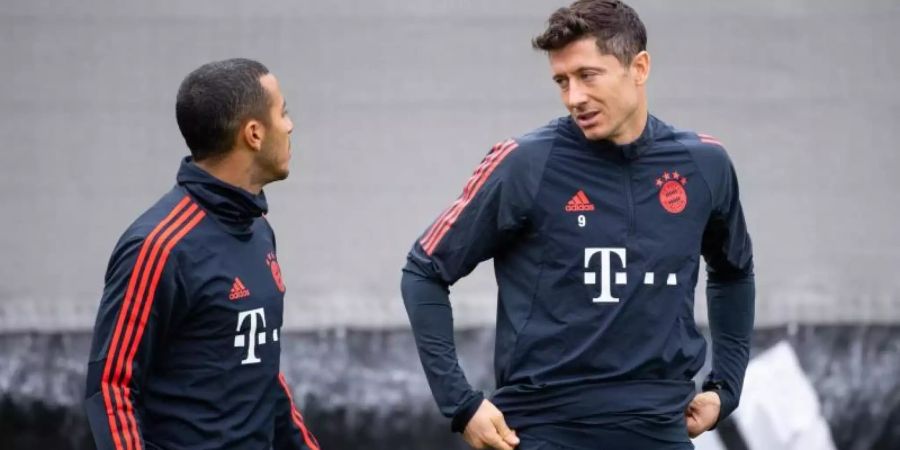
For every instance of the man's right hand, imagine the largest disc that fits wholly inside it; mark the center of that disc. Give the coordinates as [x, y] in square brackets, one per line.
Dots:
[487, 429]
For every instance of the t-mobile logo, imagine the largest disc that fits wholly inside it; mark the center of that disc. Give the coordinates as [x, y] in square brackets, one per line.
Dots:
[254, 335]
[606, 275]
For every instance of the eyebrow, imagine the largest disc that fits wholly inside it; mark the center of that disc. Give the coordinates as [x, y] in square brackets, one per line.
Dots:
[582, 69]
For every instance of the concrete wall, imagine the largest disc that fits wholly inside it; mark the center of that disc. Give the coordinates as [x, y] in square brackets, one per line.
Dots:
[395, 102]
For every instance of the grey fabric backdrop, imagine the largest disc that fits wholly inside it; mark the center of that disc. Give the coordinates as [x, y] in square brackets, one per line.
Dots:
[396, 101]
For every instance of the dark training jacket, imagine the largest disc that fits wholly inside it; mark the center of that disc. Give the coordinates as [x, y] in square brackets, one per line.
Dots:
[186, 346]
[596, 250]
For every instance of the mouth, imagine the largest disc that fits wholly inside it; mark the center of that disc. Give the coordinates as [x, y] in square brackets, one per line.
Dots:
[587, 119]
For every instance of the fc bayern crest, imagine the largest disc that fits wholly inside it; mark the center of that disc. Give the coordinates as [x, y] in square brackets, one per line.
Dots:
[672, 195]
[272, 262]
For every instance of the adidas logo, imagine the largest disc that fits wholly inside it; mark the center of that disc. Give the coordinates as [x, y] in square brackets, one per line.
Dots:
[579, 202]
[238, 290]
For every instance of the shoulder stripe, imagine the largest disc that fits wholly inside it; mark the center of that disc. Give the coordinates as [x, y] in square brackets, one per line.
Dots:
[707, 139]
[441, 226]
[136, 304]
[297, 418]
[469, 184]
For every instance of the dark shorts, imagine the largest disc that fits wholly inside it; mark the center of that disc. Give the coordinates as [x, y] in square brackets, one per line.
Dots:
[611, 440]
[527, 442]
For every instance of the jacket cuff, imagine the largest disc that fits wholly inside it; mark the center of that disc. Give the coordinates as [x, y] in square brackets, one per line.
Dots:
[727, 404]
[465, 412]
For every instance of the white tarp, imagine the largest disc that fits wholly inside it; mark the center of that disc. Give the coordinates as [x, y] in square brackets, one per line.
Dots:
[709, 441]
[779, 409]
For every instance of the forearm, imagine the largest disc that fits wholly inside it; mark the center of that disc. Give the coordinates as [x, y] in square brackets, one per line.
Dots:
[428, 306]
[105, 411]
[731, 312]
[291, 432]
[112, 400]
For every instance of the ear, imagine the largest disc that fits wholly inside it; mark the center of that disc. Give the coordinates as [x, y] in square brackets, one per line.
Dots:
[253, 133]
[640, 67]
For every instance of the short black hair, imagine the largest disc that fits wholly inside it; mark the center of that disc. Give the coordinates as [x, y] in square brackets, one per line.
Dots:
[616, 27]
[215, 100]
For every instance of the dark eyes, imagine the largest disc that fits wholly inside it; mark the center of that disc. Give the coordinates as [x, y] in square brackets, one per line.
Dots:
[563, 82]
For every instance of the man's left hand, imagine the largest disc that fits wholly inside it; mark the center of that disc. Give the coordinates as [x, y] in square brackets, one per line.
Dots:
[702, 413]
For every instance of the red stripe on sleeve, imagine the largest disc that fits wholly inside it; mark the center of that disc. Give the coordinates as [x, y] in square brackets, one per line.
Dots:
[468, 194]
[147, 305]
[114, 412]
[468, 187]
[308, 438]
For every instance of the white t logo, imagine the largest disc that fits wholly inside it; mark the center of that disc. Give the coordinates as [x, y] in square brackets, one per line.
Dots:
[254, 337]
[605, 272]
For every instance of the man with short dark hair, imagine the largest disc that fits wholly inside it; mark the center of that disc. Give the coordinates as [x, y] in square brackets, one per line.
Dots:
[596, 224]
[186, 346]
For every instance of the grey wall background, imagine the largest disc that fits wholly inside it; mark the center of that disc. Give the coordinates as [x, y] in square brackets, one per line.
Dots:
[395, 102]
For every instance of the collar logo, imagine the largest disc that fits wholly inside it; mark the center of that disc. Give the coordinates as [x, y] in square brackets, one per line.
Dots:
[672, 195]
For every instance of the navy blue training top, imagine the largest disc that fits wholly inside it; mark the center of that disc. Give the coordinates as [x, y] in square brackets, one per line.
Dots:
[596, 250]
[186, 346]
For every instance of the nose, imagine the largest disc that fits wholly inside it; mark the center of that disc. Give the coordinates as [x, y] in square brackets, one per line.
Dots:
[290, 125]
[576, 96]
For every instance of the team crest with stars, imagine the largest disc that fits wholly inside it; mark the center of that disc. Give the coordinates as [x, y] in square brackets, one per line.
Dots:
[672, 195]
[272, 262]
